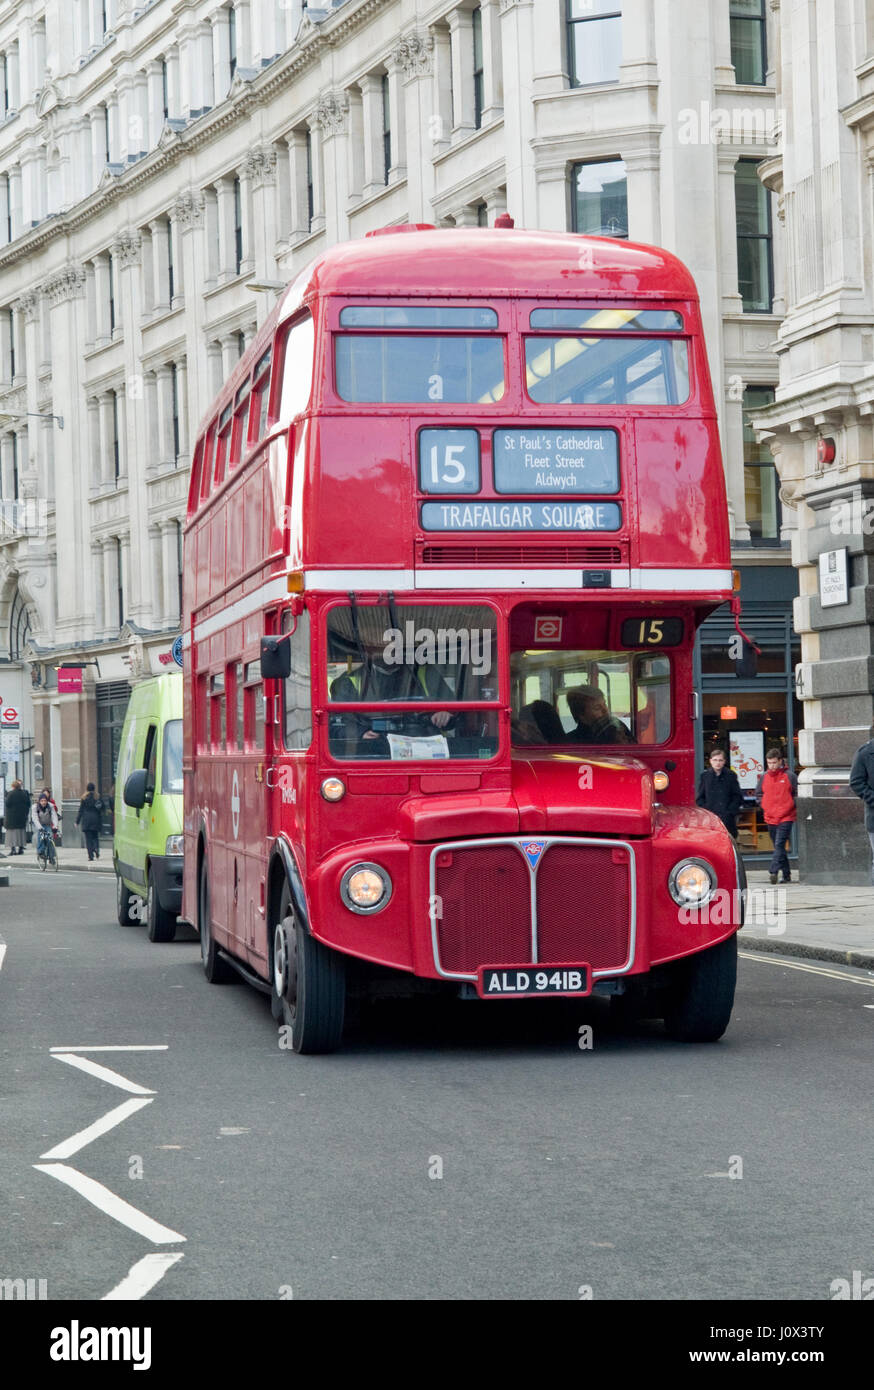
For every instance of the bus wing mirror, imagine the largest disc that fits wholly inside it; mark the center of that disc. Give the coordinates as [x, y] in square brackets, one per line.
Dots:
[135, 789]
[275, 658]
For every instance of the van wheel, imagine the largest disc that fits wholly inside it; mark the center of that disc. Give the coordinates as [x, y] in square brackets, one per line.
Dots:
[309, 980]
[215, 967]
[702, 996]
[124, 901]
[162, 924]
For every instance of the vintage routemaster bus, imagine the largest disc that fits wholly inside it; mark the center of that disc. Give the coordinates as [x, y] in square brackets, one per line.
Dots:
[453, 523]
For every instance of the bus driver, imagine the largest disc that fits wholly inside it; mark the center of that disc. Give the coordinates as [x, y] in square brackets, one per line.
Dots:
[376, 680]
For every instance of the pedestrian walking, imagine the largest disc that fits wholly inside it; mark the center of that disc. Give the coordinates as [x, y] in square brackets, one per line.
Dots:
[17, 810]
[88, 816]
[862, 783]
[776, 793]
[719, 791]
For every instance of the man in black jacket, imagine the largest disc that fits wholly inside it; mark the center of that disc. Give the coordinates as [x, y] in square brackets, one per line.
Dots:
[90, 811]
[862, 782]
[719, 791]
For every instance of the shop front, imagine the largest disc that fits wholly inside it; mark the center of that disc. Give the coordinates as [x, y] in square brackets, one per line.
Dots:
[744, 712]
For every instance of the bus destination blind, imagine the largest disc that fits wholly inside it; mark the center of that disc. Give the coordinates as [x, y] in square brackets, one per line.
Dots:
[521, 516]
[556, 461]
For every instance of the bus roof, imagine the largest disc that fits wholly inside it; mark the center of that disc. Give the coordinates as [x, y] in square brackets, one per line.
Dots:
[482, 263]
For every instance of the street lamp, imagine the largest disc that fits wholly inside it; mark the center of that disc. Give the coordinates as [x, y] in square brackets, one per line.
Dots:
[10, 417]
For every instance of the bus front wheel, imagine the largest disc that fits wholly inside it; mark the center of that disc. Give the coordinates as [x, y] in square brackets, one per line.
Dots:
[702, 996]
[309, 985]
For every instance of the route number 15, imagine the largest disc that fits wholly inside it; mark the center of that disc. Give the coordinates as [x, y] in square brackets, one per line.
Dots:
[449, 461]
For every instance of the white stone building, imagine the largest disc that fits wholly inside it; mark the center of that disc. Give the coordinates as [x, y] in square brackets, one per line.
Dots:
[158, 158]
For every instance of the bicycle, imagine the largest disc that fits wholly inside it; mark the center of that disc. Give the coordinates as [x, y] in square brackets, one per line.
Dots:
[45, 850]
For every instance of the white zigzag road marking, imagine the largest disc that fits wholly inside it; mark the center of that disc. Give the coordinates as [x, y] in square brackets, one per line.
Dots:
[106, 1201]
[114, 1078]
[70, 1146]
[147, 1272]
[143, 1277]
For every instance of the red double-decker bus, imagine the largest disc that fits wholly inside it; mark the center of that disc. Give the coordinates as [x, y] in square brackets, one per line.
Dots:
[453, 523]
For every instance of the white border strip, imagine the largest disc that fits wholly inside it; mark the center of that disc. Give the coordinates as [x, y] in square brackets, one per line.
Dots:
[114, 1078]
[268, 593]
[2, 951]
[71, 1146]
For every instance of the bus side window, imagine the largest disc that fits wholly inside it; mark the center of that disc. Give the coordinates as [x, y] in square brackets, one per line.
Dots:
[201, 713]
[260, 399]
[294, 379]
[296, 689]
[254, 705]
[238, 434]
[217, 710]
[238, 694]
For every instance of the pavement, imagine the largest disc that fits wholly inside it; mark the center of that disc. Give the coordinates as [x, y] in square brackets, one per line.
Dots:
[796, 919]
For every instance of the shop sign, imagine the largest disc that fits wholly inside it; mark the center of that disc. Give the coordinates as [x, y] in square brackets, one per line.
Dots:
[833, 585]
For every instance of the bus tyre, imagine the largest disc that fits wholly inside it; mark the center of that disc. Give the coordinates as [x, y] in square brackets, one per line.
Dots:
[162, 924]
[312, 979]
[702, 997]
[215, 967]
[124, 901]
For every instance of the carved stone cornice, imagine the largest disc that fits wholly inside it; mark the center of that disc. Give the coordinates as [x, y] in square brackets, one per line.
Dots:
[188, 209]
[415, 53]
[28, 305]
[126, 248]
[330, 113]
[259, 165]
[66, 283]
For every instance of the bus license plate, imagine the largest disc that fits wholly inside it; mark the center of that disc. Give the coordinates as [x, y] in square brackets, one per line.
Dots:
[534, 981]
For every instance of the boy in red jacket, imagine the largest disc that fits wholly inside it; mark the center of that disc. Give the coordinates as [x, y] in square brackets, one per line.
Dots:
[776, 793]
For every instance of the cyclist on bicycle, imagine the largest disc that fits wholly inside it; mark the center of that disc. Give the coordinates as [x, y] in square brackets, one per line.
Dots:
[45, 823]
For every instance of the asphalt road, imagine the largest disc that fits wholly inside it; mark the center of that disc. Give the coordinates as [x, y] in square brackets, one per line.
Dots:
[562, 1169]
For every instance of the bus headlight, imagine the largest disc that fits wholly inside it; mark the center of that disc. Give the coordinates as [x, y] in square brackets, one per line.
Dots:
[661, 781]
[691, 882]
[365, 888]
[333, 789]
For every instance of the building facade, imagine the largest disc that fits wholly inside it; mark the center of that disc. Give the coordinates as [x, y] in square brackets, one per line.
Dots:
[159, 161]
[820, 427]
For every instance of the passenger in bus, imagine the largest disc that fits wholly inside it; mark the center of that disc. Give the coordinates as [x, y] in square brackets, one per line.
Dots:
[594, 722]
[537, 723]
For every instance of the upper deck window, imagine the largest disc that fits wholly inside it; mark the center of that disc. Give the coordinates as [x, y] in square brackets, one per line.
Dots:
[607, 317]
[415, 316]
[607, 370]
[402, 368]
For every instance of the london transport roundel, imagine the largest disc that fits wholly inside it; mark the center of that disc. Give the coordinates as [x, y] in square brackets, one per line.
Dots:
[10, 715]
[176, 651]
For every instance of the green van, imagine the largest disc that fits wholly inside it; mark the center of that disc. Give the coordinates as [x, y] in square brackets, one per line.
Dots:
[147, 849]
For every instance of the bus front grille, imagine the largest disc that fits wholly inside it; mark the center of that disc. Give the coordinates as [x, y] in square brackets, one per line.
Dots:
[498, 905]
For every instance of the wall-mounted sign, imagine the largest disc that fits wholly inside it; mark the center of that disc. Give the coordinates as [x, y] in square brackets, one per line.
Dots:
[727, 713]
[833, 582]
[10, 744]
[521, 516]
[70, 680]
[747, 757]
[556, 461]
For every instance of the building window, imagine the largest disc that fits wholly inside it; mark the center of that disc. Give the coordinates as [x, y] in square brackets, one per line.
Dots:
[10, 329]
[755, 266]
[171, 268]
[165, 89]
[14, 442]
[477, 18]
[116, 454]
[761, 482]
[232, 40]
[386, 128]
[482, 214]
[600, 199]
[310, 192]
[110, 284]
[178, 526]
[241, 344]
[748, 42]
[120, 596]
[174, 397]
[106, 141]
[238, 227]
[594, 38]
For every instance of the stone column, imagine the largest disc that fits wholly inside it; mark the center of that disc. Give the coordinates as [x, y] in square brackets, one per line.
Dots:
[110, 585]
[121, 412]
[174, 96]
[15, 200]
[214, 368]
[6, 345]
[13, 75]
[316, 160]
[440, 122]
[153, 432]
[398, 115]
[461, 37]
[371, 110]
[160, 263]
[128, 592]
[230, 354]
[182, 399]
[355, 148]
[174, 244]
[244, 33]
[225, 197]
[299, 222]
[7, 466]
[95, 453]
[96, 25]
[493, 70]
[98, 588]
[520, 27]
[219, 19]
[155, 78]
[155, 611]
[101, 297]
[170, 614]
[107, 471]
[732, 303]
[98, 144]
[164, 381]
